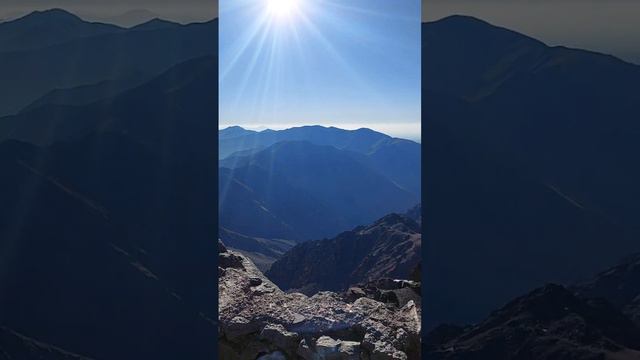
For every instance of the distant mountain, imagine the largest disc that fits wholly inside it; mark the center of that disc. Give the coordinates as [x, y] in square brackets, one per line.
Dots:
[174, 107]
[88, 60]
[302, 191]
[390, 247]
[87, 94]
[46, 28]
[106, 232]
[155, 24]
[263, 252]
[131, 18]
[594, 320]
[531, 160]
[397, 159]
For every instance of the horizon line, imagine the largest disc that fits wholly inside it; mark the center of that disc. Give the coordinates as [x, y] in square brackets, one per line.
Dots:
[106, 19]
[397, 131]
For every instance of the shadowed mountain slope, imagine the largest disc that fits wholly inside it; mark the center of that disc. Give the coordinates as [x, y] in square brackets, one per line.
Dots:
[106, 233]
[94, 59]
[45, 28]
[397, 159]
[594, 320]
[390, 247]
[304, 191]
[530, 152]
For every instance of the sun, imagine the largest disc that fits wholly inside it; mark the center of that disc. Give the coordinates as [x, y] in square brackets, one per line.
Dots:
[282, 9]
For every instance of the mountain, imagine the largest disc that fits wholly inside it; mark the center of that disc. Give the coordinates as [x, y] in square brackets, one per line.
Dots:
[174, 107]
[94, 59]
[263, 252]
[17, 346]
[131, 18]
[155, 24]
[324, 326]
[71, 258]
[299, 190]
[105, 230]
[620, 285]
[41, 29]
[390, 247]
[530, 161]
[397, 159]
[87, 94]
[592, 320]
[548, 323]
[364, 140]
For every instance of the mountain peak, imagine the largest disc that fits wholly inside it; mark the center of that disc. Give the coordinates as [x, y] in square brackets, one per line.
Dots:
[55, 14]
[154, 24]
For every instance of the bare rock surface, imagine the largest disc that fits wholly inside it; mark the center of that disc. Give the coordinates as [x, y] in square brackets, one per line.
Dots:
[258, 320]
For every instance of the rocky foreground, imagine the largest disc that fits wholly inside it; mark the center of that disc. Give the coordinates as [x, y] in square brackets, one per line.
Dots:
[260, 321]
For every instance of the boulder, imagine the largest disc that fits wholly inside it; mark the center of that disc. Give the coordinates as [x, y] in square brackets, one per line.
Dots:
[262, 320]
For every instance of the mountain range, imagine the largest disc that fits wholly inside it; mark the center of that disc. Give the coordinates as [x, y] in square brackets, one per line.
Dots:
[311, 182]
[108, 213]
[531, 165]
[61, 51]
[388, 248]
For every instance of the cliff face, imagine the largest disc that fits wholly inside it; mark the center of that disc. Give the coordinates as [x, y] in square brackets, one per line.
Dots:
[260, 321]
[390, 247]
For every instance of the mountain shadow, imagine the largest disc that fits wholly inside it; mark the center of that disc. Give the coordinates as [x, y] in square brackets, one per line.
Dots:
[530, 152]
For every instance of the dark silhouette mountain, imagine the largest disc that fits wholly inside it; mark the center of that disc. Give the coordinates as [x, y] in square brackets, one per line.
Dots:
[390, 247]
[45, 28]
[171, 110]
[397, 159]
[107, 285]
[530, 165]
[548, 323]
[130, 18]
[17, 346]
[106, 233]
[593, 320]
[301, 191]
[155, 24]
[94, 59]
[620, 285]
[87, 94]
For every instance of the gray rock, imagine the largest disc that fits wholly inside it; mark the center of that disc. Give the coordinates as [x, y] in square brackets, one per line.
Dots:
[273, 356]
[268, 321]
[280, 337]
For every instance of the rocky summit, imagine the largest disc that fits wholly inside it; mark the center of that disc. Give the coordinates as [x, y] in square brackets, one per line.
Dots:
[260, 321]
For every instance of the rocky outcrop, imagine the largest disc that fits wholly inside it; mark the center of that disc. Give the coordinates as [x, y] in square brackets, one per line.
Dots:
[260, 321]
[390, 247]
[548, 323]
[392, 292]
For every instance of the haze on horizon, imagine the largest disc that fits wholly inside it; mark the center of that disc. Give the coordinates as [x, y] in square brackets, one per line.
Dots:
[323, 62]
[119, 12]
[606, 26]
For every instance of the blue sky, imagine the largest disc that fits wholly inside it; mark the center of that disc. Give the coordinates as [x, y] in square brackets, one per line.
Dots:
[342, 63]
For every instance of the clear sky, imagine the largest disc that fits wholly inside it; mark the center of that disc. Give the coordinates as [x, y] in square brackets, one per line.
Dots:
[348, 64]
